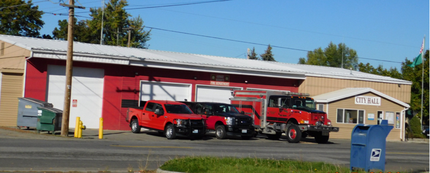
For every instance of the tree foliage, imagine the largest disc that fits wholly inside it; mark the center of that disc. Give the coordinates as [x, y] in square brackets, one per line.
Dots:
[267, 55]
[332, 56]
[415, 74]
[380, 70]
[20, 18]
[252, 54]
[116, 23]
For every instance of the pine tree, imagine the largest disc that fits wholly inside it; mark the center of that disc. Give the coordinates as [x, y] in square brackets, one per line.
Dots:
[267, 56]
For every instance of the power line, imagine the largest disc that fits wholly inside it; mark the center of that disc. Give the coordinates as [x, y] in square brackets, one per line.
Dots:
[171, 5]
[226, 39]
[247, 42]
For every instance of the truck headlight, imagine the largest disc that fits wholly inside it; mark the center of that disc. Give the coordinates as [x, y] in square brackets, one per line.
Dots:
[229, 120]
[181, 122]
[329, 124]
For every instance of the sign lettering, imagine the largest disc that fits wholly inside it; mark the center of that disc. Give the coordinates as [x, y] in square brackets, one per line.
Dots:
[366, 100]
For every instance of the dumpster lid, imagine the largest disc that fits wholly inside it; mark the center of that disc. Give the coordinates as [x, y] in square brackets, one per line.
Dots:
[43, 103]
[55, 110]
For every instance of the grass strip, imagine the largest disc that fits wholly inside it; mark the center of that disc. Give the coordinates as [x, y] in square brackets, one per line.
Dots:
[200, 164]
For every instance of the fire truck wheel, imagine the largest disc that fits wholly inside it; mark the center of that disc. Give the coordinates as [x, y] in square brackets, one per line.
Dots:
[293, 134]
[321, 139]
[220, 132]
[275, 137]
[170, 132]
[135, 128]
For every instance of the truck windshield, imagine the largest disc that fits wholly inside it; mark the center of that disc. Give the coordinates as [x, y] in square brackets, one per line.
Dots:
[300, 103]
[221, 108]
[177, 109]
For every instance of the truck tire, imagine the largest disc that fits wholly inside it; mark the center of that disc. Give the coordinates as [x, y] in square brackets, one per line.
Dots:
[321, 139]
[170, 132]
[135, 128]
[220, 132]
[276, 136]
[293, 134]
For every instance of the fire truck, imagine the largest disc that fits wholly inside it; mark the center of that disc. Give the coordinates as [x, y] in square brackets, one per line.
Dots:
[277, 112]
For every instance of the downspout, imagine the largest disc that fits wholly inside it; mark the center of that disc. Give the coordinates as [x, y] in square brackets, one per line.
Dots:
[402, 124]
[25, 73]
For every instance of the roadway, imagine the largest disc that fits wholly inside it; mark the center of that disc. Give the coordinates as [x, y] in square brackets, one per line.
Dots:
[123, 151]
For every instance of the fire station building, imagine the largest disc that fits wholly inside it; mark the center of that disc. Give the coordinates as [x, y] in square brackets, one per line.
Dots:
[108, 79]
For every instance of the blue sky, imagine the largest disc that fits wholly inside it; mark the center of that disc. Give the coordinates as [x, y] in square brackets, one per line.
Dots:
[388, 31]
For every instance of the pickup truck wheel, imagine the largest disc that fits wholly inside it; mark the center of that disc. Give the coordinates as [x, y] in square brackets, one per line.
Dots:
[293, 134]
[321, 139]
[170, 132]
[220, 132]
[135, 128]
[276, 136]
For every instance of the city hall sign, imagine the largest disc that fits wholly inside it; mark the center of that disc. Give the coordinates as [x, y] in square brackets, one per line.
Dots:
[366, 100]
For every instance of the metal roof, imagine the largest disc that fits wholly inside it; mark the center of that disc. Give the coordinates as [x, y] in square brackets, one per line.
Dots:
[349, 92]
[57, 49]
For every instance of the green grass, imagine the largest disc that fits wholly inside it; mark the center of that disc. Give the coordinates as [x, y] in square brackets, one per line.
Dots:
[249, 165]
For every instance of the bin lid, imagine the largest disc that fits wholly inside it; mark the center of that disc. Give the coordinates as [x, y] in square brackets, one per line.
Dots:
[55, 110]
[43, 103]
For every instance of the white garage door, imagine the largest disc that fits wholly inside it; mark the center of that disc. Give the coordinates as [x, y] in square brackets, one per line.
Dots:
[164, 91]
[87, 93]
[214, 93]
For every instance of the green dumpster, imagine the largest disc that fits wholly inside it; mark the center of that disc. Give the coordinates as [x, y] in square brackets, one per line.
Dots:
[49, 119]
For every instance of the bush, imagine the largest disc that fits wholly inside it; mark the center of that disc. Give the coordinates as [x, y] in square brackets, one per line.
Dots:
[415, 125]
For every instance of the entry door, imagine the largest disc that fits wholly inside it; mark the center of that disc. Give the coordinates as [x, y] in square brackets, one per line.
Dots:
[220, 94]
[87, 93]
[380, 117]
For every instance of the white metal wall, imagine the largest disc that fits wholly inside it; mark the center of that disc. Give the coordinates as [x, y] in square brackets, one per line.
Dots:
[164, 91]
[87, 91]
[208, 93]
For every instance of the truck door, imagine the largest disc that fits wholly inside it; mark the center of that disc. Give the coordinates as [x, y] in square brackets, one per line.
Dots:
[157, 121]
[146, 114]
[285, 110]
[273, 111]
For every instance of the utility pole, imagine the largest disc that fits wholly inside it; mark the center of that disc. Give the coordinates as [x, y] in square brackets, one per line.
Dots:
[69, 69]
[129, 35]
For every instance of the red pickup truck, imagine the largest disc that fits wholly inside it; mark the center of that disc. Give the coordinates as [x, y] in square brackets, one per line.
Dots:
[168, 117]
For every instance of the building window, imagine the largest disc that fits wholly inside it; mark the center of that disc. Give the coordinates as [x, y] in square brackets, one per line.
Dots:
[350, 116]
[397, 120]
[389, 116]
[339, 115]
[321, 107]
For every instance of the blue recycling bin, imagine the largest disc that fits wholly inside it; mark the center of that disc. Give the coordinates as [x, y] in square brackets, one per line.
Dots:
[368, 146]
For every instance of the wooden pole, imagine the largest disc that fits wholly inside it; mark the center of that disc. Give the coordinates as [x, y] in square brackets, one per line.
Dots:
[69, 72]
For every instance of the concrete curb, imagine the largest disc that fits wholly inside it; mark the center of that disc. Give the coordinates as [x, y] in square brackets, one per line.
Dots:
[163, 171]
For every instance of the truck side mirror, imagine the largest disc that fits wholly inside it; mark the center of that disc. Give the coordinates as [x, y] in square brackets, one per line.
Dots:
[242, 112]
[159, 111]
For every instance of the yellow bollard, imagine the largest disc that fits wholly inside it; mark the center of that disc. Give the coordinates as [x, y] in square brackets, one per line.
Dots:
[101, 129]
[77, 126]
[81, 126]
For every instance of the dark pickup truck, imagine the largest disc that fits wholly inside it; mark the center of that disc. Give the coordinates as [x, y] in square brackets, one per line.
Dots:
[224, 118]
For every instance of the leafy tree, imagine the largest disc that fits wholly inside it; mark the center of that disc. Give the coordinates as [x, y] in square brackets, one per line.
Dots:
[116, 22]
[380, 70]
[81, 31]
[253, 55]
[414, 74]
[20, 18]
[332, 56]
[267, 56]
